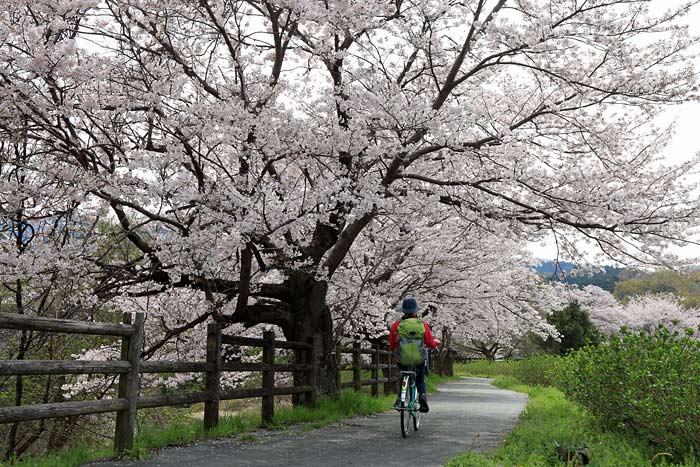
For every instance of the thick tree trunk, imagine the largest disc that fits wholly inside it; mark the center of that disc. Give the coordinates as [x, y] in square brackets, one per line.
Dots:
[311, 322]
[443, 358]
[489, 354]
[303, 316]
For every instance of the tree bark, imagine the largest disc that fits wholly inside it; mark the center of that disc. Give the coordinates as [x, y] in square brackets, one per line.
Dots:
[304, 317]
[312, 321]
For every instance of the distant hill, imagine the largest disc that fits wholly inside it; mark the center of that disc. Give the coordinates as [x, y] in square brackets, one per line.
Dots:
[549, 267]
[569, 274]
[684, 285]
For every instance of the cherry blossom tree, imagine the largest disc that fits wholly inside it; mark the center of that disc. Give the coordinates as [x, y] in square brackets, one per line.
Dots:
[641, 312]
[228, 139]
[42, 274]
[649, 311]
[474, 287]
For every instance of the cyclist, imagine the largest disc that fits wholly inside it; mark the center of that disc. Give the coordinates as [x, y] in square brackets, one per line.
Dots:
[411, 336]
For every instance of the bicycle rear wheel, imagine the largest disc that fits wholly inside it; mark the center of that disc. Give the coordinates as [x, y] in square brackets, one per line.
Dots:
[405, 417]
[416, 420]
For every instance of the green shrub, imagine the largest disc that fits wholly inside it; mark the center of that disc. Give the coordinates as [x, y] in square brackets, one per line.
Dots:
[647, 385]
[550, 419]
[542, 370]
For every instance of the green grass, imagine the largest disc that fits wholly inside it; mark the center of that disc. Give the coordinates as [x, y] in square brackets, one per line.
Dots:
[75, 457]
[485, 368]
[181, 430]
[549, 419]
[180, 433]
[350, 403]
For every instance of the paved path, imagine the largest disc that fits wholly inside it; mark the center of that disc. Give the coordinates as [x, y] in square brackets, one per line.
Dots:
[465, 414]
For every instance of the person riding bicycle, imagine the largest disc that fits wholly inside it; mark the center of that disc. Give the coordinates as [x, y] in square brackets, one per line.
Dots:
[410, 336]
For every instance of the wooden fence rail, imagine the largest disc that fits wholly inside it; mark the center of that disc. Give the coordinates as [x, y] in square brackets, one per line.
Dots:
[127, 368]
[381, 359]
[130, 366]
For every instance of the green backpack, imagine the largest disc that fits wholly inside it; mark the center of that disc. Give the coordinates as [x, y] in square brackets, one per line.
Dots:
[411, 349]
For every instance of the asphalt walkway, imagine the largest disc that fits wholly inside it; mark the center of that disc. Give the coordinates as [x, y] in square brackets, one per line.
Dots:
[468, 414]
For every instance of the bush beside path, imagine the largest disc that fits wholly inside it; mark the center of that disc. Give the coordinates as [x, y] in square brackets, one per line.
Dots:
[465, 415]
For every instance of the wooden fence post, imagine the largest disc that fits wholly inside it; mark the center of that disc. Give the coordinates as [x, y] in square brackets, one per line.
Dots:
[268, 377]
[338, 372]
[449, 362]
[129, 385]
[375, 371]
[356, 366]
[213, 378]
[435, 362]
[311, 372]
[386, 372]
[392, 385]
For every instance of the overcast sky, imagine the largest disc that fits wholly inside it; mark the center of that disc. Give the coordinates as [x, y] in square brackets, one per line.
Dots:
[686, 140]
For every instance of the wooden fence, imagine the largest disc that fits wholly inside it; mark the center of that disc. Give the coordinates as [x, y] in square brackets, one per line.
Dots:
[130, 366]
[381, 360]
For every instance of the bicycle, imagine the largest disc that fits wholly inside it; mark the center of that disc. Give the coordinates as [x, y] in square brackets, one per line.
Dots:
[409, 405]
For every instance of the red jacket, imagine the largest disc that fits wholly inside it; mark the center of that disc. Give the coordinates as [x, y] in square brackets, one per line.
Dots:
[428, 340]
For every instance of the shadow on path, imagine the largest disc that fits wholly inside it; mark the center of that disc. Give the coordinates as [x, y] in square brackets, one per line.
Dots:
[468, 414]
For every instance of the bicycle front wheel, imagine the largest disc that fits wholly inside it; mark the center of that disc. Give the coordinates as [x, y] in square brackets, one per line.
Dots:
[405, 420]
[415, 412]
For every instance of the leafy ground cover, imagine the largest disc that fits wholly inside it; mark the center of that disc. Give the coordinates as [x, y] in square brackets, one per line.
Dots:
[541, 370]
[550, 421]
[178, 428]
[642, 384]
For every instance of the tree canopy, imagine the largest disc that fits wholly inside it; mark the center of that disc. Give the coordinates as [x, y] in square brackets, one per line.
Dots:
[247, 150]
